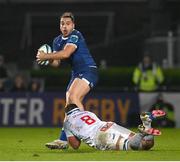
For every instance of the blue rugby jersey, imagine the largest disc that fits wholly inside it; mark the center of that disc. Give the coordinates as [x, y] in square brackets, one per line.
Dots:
[81, 58]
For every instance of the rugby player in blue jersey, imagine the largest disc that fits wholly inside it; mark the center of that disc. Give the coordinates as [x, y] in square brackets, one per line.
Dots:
[71, 46]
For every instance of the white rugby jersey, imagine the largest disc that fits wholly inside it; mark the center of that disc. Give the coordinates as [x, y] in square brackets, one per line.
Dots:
[84, 125]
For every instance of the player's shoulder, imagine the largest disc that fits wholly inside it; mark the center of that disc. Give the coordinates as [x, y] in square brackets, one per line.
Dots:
[57, 38]
[89, 113]
[76, 34]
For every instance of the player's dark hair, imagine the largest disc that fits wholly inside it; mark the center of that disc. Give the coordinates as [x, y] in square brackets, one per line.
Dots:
[68, 15]
[70, 107]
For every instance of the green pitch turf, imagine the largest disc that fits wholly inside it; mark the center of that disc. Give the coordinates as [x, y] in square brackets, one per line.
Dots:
[28, 144]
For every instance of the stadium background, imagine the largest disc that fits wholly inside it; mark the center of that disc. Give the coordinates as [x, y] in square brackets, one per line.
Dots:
[118, 32]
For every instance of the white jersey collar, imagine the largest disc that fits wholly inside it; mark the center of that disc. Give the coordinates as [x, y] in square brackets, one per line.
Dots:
[65, 38]
[73, 110]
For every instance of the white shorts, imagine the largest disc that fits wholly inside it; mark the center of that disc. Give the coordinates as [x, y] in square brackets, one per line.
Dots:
[108, 137]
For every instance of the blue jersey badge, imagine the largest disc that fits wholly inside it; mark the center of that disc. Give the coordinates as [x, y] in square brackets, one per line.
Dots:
[74, 38]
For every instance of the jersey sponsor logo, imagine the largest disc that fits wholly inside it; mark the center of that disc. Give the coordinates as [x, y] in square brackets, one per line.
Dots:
[74, 38]
[106, 127]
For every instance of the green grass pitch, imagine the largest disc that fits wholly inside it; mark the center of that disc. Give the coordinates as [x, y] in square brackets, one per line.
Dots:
[28, 144]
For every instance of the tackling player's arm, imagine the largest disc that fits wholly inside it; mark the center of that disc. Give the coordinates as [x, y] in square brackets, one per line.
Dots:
[72, 139]
[59, 55]
[74, 142]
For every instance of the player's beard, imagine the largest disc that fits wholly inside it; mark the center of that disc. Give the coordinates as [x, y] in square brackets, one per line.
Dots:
[65, 33]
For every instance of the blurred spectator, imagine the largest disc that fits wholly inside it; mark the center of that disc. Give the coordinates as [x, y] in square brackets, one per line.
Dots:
[35, 65]
[103, 64]
[3, 70]
[34, 86]
[3, 74]
[19, 84]
[169, 119]
[2, 87]
[148, 75]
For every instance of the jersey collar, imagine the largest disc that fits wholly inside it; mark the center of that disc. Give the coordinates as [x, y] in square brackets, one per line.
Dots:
[65, 38]
[73, 110]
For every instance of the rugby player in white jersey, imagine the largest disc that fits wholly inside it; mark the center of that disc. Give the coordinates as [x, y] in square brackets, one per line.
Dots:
[85, 126]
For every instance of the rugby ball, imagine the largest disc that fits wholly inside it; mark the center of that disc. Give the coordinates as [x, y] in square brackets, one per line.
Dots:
[46, 49]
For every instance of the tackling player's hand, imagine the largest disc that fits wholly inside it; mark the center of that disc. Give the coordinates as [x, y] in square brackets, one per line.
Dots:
[41, 56]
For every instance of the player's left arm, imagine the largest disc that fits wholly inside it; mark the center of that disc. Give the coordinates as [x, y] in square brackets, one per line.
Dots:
[74, 142]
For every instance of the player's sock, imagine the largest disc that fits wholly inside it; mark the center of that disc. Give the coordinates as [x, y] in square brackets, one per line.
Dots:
[63, 136]
[146, 119]
[150, 131]
[147, 124]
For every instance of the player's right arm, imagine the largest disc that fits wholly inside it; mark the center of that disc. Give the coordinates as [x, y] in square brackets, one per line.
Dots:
[60, 52]
[54, 63]
[74, 142]
[72, 139]
[59, 55]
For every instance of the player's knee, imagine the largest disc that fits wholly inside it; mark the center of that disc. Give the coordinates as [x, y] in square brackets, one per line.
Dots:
[147, 144]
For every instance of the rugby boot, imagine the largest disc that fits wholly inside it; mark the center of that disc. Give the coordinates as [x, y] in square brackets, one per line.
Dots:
[57, 144]
[149, 131]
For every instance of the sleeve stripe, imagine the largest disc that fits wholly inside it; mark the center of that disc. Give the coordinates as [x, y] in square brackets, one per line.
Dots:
[71, 44]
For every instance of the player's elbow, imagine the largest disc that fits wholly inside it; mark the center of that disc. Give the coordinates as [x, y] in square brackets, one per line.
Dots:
[67, 52]
[55, 63]
[75, 146]
[65, 55]
[74, 142]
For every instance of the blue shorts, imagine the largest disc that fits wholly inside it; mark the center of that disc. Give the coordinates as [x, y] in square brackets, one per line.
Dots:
[89, 75]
